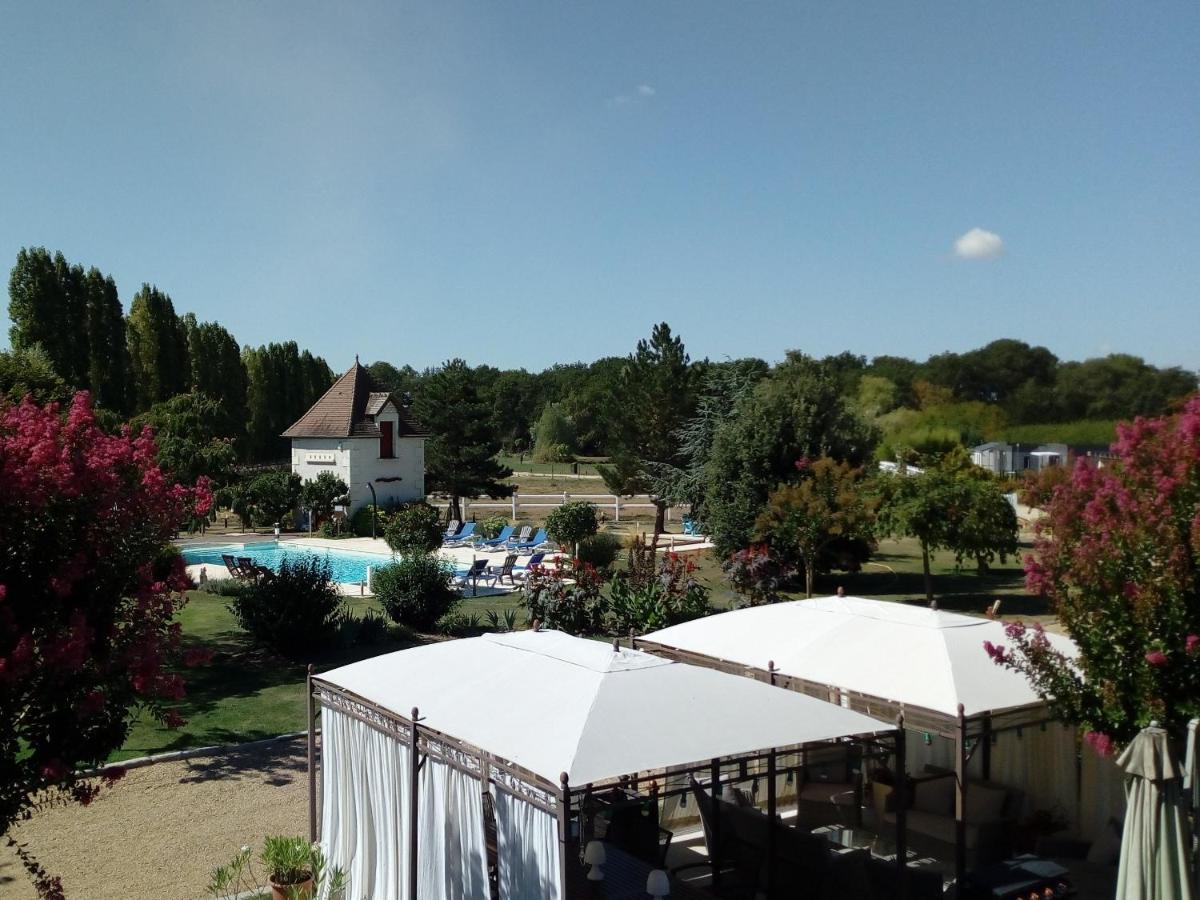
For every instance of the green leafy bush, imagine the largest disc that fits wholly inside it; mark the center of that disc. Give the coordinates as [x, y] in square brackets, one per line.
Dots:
[566, 597]
[417, 590]
[491, 526]
[572, 522]
[294, 611]
[600, 550]
[414, 528]
[671, 597]
[367, 630]
[360, 522]
[756, 575]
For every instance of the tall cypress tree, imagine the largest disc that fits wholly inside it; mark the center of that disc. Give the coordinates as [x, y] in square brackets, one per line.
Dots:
[217, 372]
[158, 352]
[282, 383]
[47, 306]
[108, 353]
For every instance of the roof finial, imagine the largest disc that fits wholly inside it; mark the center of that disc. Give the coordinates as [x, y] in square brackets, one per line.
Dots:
[356, 359]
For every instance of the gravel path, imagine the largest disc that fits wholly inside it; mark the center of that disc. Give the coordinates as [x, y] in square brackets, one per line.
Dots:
[162, 829]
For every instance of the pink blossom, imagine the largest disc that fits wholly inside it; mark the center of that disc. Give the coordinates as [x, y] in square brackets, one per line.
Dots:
[1015, 630]
[1156, 658]
[997, 652]
[1193, 643]
[1100, 742]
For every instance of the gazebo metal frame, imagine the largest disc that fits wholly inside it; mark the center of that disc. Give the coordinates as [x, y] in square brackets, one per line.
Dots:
[564, 800]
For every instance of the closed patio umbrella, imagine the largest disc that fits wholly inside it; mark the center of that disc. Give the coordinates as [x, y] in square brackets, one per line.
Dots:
[1156, 845]
[1191, 784]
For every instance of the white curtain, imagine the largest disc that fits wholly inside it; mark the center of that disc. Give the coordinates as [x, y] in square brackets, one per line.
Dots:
[364, 808]
[1042, 762]
[527, 843]
[938, 751]
[452, 855]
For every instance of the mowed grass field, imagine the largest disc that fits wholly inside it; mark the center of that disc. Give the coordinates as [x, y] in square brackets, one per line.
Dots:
[248, 693]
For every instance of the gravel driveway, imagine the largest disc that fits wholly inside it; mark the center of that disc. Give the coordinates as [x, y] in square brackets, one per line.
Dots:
[162, 829]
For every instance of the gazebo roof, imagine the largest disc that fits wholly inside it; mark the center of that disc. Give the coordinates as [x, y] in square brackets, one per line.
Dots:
[551, 703]
[911, 655]
[348, 409]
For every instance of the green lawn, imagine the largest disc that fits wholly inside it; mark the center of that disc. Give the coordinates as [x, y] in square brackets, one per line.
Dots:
[247, 693]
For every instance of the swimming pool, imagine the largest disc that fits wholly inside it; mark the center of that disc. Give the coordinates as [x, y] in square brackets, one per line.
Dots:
[348, 566]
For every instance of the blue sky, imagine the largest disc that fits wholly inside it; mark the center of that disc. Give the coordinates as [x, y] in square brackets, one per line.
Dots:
[525, 183]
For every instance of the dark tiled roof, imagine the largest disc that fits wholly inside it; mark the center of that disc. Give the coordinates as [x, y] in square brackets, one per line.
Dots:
[348, 409]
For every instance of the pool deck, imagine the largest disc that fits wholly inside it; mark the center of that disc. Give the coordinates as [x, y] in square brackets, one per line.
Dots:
[460, 556]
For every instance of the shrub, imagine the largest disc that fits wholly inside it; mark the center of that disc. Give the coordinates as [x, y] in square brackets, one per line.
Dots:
[575, 606]
[414, 528]
[600, 550]
[673, 596]
[367, 630]
[295, 610]
[491, 526]
[572, 522]
[756, 575]
[459, 624]
[360, 522]
[225, 587]
[417, 590]
[505, 621]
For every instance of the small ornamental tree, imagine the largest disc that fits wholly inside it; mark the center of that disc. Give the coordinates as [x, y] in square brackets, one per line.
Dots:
[273, 495]
[1117, 555]
[88, 597]
[756, 575]
[414, 528]
[572, 522]
[322, 494]
[826, 507]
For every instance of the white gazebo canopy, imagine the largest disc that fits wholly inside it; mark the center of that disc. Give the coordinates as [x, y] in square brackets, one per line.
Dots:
[551, 703]
[909, 655]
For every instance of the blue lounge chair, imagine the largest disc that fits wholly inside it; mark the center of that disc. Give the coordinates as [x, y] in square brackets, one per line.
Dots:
[498, 540]
[462, 538]
[529, 545]
[472, 576]
[520, 573]
[451, 530]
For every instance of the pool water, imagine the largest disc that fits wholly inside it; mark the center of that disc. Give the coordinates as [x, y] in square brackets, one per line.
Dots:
[348, 566]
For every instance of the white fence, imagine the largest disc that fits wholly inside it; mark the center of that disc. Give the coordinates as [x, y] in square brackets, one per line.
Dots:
[604, 502]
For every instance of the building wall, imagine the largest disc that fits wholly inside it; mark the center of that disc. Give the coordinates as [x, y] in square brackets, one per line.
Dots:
[356, 461]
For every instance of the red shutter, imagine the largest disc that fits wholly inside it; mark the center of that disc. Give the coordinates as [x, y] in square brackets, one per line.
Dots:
[386, 450]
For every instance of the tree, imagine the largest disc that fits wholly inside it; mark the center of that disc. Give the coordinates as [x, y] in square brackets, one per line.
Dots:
[48, 308]
[322, 494]
[798, 411]
[158, 351]
[30, 371]
[414, 528]
[88, 596]
[656, 392]
[554, 436]
[953, 505]
[218, 372]
[273, 495]
[188, 433]
[826, 507]
[282, 383]
[108, 352]
[460, 451]
[1117, 556]
[572, 523]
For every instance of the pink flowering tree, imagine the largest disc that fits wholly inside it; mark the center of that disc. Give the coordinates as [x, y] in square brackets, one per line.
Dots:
[89, 589]
[1117, 555]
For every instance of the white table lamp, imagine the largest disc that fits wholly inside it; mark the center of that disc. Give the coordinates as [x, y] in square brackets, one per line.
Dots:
[658, 885]
[594, 856]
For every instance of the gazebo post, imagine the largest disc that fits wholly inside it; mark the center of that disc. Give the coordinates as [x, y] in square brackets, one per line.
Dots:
[714, 856]
[564, 830]
[310, 706]
[986, 750]
[901, 794]
[960, 799]
[413, 805]
[772, 823]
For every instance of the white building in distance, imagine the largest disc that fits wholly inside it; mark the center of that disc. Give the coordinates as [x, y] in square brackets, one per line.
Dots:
[366, 437]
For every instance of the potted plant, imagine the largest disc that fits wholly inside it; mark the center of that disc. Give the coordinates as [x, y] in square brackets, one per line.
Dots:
[295, 870]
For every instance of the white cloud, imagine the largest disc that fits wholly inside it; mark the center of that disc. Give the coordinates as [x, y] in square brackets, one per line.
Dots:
[640, 94]
[979, 243]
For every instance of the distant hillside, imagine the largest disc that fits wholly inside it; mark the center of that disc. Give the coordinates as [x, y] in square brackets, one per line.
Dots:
[1083, 432]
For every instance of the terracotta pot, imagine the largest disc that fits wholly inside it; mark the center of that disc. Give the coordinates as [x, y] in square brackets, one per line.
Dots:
[302, 891]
